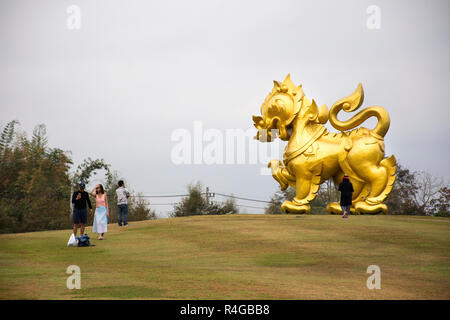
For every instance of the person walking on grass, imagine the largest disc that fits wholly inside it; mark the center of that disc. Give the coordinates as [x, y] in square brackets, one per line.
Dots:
[79, 200]
[101, 211]
[122, 202]
[346, 189]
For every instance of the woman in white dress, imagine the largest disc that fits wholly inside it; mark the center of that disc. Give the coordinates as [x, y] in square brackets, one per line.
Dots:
[101, 211]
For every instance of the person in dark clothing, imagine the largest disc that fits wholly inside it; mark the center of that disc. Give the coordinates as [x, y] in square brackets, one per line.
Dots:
[346, 189]
[80, 199]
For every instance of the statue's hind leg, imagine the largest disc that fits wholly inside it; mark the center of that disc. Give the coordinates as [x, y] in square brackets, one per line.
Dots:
[377, 177]
[381, 179]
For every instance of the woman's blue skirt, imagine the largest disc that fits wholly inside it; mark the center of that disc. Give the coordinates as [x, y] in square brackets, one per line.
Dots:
[100, 220]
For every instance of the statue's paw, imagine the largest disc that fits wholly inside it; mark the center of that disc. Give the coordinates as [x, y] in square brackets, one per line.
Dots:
[292, 207]
[334, 208]
[365, 208]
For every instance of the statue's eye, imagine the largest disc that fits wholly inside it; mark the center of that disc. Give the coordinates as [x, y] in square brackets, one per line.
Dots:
[279, 103]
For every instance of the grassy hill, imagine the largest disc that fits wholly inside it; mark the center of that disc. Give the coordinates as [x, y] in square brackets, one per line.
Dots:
[236, 257]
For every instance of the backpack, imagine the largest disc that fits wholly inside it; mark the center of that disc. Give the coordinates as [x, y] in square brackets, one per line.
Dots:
[83, 241]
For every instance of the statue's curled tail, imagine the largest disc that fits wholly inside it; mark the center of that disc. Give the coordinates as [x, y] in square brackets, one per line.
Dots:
[352, 103]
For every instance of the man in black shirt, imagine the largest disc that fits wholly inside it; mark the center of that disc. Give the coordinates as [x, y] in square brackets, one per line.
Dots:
[346, 189]
[79, 200]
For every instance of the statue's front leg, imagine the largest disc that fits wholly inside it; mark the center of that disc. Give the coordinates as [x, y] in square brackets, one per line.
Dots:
[300, 204]
[306, 185]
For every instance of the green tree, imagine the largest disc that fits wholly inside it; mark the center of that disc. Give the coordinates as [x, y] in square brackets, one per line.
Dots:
[7, 137]
[230, 206]
[402, 199]
[34, 182]
[195, 204]
[139, 209]
[88, 168]
[277, 200]
[441, 204]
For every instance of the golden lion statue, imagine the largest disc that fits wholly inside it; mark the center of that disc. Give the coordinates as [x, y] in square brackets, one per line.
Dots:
[313, 155]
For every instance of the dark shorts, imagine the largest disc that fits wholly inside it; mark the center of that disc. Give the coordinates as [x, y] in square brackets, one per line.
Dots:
[79, 216]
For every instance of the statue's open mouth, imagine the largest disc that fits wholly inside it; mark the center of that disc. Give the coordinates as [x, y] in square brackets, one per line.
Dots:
[270, 129]
[267, 129]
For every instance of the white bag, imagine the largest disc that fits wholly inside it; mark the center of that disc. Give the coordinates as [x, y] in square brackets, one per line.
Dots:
[73, 242]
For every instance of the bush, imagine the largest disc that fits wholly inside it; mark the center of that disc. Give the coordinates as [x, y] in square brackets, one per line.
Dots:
[195, 204]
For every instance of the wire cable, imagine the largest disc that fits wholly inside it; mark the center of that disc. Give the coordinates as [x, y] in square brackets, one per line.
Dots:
[214, 193]
[241, 198]
[162, 196]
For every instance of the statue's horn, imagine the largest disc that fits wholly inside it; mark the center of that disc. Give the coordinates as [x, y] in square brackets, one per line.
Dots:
[288, 77]
[276, 84]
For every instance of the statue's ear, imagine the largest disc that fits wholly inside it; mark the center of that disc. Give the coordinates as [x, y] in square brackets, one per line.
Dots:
[316, 114]
[276, 85]
[312, 112]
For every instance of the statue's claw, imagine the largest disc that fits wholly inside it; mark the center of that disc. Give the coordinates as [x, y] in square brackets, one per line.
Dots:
[292, 207]
[334, 208]
[363, 207]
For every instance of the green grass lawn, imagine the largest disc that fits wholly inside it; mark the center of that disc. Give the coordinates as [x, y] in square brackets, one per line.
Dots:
[236, 257]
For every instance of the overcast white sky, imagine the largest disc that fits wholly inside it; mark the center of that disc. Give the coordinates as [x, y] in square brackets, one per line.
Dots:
[138, 70]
